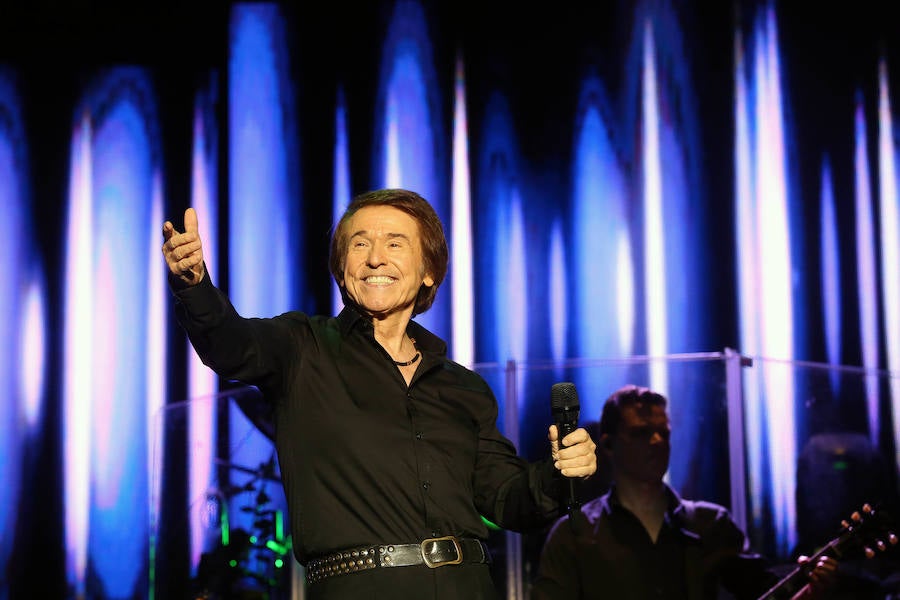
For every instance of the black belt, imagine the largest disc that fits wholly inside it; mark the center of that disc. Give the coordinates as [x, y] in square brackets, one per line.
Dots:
[433, 553]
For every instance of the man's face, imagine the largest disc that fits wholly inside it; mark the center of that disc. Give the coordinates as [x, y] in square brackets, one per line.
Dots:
[384, 268]
[640, 448]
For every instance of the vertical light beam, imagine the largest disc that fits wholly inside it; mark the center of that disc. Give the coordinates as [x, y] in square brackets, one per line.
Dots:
[654, 233]
[124, 187]
[342, 192]
[202, 382]
[78, 383]
[18, 300]
[461, 220]
[889, 241]
[765, 263]
[599, 228]
[867, 284]
[745, 225]
[558, 287]
[830, 274]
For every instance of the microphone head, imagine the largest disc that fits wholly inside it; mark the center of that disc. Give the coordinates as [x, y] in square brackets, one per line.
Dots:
[564, 402]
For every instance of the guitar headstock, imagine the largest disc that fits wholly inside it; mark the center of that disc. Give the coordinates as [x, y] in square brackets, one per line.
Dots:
[870, 528]
[867, 529]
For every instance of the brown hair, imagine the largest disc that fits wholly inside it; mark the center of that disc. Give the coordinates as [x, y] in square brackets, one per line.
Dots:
[434, 244]
[626, 395]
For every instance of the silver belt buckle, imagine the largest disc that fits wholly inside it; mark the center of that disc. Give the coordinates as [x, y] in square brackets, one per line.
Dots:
[435, 564]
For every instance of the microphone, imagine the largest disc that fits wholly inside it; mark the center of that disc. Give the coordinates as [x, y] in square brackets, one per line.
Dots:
[564, 406]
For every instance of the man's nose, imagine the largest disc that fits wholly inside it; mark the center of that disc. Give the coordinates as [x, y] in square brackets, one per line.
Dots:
[376, 256]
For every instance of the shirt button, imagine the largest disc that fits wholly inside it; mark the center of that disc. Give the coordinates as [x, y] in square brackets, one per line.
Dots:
[419, 435]
[426, 485]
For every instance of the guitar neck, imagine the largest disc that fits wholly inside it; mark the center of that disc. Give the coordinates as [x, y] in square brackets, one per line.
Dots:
[794, 581]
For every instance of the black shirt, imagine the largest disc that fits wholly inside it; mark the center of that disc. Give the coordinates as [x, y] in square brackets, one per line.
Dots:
[607, 553]
[366, 459]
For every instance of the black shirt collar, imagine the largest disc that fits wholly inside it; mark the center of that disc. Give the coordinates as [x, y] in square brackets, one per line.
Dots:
[426, 341]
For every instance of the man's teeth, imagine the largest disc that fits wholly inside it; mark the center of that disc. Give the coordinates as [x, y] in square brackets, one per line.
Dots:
[379, 279]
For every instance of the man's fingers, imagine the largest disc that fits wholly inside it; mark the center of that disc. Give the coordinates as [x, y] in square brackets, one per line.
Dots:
[186, 249]
[579, 436]
[190, 221]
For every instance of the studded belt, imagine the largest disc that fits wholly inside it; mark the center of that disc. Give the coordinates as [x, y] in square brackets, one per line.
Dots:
[433, 553]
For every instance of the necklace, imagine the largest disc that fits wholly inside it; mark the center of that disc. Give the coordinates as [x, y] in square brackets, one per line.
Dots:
[409, 362]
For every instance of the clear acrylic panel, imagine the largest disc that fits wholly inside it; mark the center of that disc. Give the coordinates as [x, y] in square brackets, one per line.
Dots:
[791, 448]
[232, 533]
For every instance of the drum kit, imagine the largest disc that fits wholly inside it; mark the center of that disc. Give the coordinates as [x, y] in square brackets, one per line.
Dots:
[250, 556]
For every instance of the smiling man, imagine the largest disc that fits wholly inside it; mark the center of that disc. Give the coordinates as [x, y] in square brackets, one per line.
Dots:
[389, 451]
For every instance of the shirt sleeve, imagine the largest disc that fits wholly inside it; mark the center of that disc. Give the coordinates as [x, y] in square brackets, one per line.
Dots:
[511, 492]
[242, 349]
[742, 572]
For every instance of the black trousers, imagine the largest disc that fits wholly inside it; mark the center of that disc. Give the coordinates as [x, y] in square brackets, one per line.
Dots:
[450, 582]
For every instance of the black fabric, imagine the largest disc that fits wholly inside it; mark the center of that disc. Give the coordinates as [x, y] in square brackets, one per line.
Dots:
[363, 457]
[605, 552]
[458, 582]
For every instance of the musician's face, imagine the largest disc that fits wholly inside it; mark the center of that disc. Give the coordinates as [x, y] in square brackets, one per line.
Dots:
[640, 448]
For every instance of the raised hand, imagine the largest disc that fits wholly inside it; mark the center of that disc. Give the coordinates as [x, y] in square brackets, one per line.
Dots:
[184, 251]
[578, 457]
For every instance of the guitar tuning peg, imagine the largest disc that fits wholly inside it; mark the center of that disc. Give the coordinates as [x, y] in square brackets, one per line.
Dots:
[845, 524]
[880, 545]
[856, 517]
[869, 552]
[867, 508]
[892, 539]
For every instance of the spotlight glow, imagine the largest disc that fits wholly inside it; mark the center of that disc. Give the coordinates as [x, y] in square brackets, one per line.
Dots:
[33, 344]
[558, 287]
[831, 289]
[463, 342]
[124, 188]
[600, 229]
[516, 302]
[655, 296]
[202, 382]
[78, 381]
[867, 284]
[342, 192]
[115, 192]
[17, 405]
[889, 241]
[767, 318]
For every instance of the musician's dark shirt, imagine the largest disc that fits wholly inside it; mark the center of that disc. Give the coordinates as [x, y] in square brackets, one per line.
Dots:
[606, 553]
